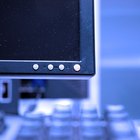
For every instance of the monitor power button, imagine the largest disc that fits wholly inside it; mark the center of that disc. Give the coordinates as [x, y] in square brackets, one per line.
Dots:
[77, 67]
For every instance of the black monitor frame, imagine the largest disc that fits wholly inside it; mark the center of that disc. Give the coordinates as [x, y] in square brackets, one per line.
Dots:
[86, 65]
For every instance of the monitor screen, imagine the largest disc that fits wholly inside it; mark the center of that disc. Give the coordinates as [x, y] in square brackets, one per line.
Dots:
[39, 30]
[47, 37]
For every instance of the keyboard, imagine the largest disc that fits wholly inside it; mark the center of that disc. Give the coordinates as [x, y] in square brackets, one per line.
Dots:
[78, 121]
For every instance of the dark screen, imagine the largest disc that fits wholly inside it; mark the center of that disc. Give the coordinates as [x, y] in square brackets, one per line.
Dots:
[39, 30]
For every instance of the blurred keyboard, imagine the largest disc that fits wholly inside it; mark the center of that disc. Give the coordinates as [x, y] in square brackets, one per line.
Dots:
[76, 120]
[68, 120]
[2, 122]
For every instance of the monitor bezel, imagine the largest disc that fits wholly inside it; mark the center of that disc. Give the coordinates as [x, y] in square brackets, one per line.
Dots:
[87, 57]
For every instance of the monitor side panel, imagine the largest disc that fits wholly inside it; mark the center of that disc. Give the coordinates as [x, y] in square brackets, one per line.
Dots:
[9, 96]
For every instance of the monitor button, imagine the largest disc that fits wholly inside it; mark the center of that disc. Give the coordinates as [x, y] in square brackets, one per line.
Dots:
[35, 66]
[77, 67]
[61, 67]
[50, 67]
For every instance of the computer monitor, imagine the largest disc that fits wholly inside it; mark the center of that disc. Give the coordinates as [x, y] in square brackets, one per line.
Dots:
[47, 37]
